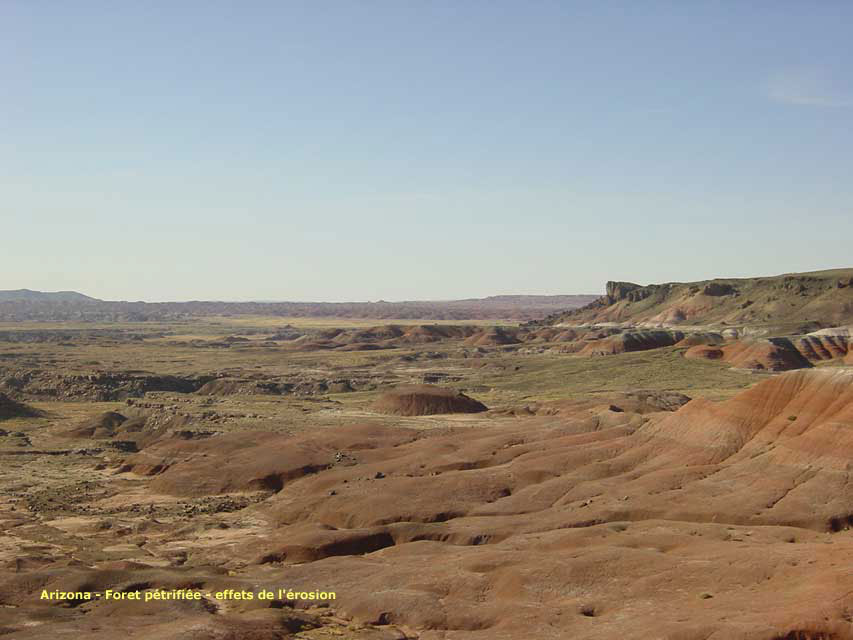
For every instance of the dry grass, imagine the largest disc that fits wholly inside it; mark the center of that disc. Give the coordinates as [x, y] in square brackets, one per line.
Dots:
[268, 322]
[499, 378]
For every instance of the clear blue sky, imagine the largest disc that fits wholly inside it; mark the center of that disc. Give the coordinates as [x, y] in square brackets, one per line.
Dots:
[419, 150]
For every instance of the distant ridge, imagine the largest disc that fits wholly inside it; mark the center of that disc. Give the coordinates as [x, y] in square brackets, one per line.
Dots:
[68, 306]
[17, 295]
[816, 299]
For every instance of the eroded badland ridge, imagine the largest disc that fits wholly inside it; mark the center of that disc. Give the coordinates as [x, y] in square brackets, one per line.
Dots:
[669, 461]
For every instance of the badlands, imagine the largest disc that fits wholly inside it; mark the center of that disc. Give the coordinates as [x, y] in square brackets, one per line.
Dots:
[668, 461]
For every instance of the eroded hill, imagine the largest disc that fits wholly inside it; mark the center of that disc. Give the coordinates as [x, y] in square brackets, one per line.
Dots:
[618, 517]
[446, 482]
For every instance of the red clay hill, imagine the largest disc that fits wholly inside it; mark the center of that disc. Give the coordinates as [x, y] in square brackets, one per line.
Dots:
[426, 400]
[716, 520]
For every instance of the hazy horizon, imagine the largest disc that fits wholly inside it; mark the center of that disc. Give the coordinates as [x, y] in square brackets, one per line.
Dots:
[352, 152]
[282, 300]
[403, 300]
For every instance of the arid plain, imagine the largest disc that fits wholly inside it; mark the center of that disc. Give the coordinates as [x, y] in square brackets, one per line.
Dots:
[666, 461]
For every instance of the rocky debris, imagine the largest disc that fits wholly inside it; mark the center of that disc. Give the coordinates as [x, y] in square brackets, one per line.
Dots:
[16, 438]
[439, 377]
[340, 386]
[216, 504]
[98, 386]
[125, 446]
[425, 355]
[67, 498]
[299, 385]
[188, 434]
[345, 458]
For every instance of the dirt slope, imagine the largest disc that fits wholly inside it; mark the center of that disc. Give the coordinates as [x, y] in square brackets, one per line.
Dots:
[10, 408]
[722, 521]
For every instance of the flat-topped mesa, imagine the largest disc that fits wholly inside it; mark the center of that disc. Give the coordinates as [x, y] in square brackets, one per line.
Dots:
[791, 303]
[617, 291]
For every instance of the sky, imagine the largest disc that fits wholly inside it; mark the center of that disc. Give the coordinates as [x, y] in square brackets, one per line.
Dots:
[393, 150]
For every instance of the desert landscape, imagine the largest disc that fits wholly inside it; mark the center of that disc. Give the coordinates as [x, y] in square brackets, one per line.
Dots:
[426, 320]
[664, 461]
